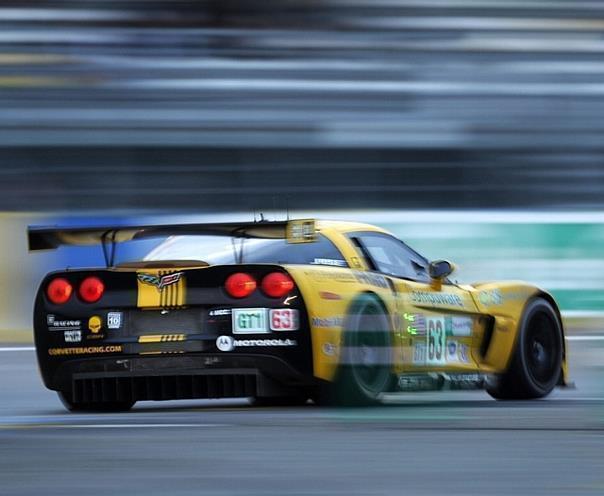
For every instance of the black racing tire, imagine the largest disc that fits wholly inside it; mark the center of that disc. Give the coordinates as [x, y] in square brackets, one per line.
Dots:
[364, 372]
[536, 363]
[96, 407]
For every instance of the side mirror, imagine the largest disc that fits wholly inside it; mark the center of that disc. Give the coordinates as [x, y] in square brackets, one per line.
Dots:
[440, 269]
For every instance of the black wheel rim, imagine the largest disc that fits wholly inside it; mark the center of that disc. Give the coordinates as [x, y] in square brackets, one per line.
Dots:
[369, 349]
[542, 349]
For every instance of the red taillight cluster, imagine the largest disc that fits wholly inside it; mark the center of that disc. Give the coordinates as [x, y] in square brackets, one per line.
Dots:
[60, 289]
[91, 289]
[240, 285]
[275, 285]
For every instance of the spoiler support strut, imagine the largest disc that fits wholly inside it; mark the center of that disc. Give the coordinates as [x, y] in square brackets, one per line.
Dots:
[109, 247]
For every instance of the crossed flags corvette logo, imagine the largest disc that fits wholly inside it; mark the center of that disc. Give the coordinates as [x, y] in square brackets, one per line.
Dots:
[160, 282]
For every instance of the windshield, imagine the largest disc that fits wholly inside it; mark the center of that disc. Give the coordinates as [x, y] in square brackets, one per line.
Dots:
[223, 250]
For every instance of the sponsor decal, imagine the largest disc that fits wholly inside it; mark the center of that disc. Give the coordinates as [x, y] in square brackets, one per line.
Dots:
[73, 336]
[371, 279]
[419, 353]
[219, 312]
[285, 319]
[328, 321]
[329, 261]
[94, 324]
[114, 320]
[249, 321]
[331, 275]
[55, 324]
[85, 350]
[489, 298]
[463, 353]
[415, 324]
[227, 343]
[160, 282]
[265, 342]
[457, 352]
[451, 351]
[461, 326]
[446, 299]
[329, 349]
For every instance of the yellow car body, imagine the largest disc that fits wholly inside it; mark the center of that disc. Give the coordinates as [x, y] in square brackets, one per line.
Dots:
[494, 307]
[374, 318]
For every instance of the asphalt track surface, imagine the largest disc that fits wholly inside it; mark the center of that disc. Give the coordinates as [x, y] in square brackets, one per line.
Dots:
[447, 443]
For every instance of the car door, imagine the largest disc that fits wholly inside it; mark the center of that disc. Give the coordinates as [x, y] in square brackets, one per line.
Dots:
[435, 324]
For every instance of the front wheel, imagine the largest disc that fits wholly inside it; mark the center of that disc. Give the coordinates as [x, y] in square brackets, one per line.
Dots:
[536, 363]
[365, 370]
[101, 407]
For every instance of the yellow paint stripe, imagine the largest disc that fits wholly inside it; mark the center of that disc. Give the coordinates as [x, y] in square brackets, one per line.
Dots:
[162, 338]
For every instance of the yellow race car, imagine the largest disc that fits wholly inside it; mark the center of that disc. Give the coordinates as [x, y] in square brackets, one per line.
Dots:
[283, 311]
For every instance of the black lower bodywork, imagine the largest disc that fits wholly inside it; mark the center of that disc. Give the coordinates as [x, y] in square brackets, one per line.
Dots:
[193, 376]
[192, 368]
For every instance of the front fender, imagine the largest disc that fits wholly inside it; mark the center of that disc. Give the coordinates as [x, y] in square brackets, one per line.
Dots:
[505, 302]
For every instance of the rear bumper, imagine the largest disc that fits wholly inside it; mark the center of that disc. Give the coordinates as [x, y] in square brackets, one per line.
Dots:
[192, 376]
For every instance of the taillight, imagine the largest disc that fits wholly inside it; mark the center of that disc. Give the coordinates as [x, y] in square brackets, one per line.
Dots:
[59, 291]
[240, 285]
[277, 284]
[91, 289]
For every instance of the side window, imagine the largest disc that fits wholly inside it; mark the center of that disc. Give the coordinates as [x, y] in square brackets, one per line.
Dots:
[391, 256]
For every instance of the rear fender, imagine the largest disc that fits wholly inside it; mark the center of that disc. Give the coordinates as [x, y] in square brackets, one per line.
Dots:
[328, 293]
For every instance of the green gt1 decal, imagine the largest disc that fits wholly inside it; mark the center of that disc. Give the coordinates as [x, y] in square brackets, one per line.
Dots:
[250, 321]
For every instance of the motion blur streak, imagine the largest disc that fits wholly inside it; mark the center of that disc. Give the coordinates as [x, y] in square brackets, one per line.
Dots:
[432, 104]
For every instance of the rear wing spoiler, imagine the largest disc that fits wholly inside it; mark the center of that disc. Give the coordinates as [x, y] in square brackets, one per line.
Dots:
[50, 238]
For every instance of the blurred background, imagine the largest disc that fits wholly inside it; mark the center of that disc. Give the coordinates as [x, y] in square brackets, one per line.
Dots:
[470, 128]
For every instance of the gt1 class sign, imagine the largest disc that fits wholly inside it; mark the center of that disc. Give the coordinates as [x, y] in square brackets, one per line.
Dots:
[249, 321]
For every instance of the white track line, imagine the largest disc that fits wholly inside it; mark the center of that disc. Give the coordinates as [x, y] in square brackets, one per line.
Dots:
[18, 348]
[104, 426]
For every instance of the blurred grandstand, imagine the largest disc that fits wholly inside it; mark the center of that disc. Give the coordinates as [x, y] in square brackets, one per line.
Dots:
[333, 103]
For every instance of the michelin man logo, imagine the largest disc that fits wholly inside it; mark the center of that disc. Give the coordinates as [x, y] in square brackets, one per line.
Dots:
[225, 343]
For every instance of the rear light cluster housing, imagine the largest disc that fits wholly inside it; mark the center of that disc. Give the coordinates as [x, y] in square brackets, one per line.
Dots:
[274, 285]
[90, 290]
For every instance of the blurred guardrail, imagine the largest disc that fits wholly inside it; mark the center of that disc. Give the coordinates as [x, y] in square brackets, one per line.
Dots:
[332, 103]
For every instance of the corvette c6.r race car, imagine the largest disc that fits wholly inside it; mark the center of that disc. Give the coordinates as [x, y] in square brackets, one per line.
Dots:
[283, 311]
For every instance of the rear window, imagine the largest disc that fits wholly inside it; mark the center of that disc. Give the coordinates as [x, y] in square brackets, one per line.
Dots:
[221, 250]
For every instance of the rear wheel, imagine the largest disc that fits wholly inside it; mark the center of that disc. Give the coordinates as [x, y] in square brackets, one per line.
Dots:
[106, 407]
[365, 369]
[536, 363]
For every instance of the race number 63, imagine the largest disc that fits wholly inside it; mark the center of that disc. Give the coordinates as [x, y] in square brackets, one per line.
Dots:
[436, 340]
